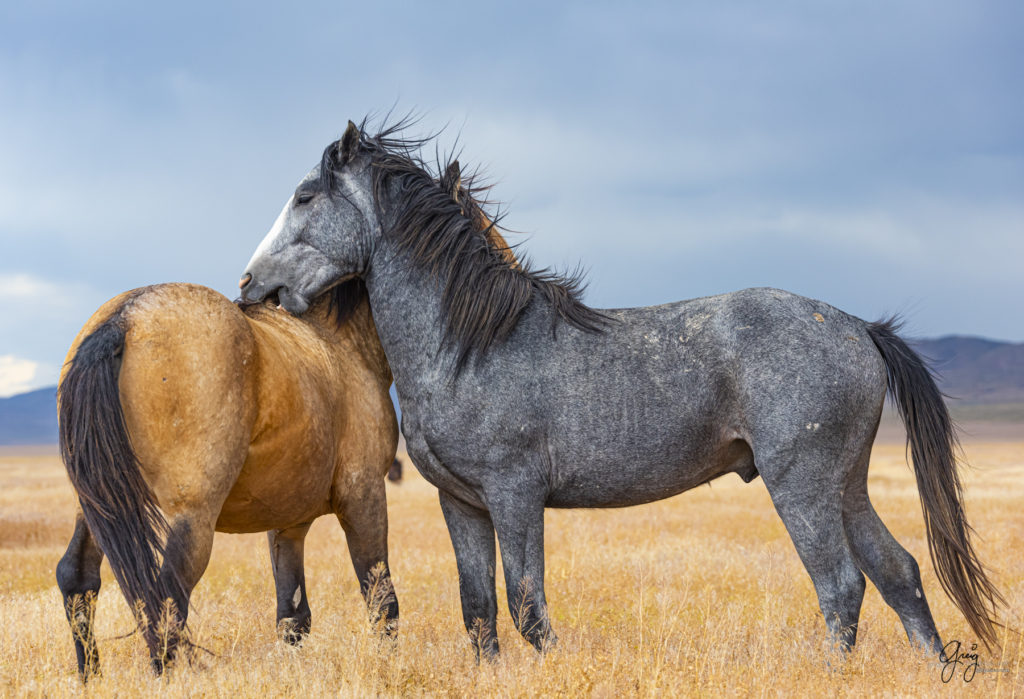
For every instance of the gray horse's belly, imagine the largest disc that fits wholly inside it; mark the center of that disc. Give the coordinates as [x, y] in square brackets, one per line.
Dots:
[639, 474]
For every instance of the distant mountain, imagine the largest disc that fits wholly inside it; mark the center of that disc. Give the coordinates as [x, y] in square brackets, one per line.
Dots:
[29, 418]
[974, 371]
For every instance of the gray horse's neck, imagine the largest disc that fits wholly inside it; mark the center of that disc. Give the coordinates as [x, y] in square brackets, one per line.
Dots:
[406, 305]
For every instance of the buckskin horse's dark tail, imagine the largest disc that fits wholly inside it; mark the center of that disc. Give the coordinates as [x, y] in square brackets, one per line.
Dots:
[119, 507]
[933, 446]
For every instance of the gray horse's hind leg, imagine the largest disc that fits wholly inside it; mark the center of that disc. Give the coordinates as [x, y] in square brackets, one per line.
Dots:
[810, 505]
[472, 538]
[519, 524]
[891, 568]
[78, 576]
[293, 614]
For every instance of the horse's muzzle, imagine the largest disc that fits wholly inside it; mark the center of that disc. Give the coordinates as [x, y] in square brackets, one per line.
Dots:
[253, 292]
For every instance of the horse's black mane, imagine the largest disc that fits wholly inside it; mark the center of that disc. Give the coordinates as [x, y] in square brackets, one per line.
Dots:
[483, 296]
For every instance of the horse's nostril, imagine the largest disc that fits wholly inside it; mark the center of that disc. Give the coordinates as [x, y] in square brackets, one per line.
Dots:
[244, 280]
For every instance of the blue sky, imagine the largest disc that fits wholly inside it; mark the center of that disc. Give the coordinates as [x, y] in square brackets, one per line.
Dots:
[867, 154]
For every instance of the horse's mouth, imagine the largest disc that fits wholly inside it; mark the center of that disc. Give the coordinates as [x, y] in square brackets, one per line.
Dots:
[271, 300]
[280, 297]
[289, 301]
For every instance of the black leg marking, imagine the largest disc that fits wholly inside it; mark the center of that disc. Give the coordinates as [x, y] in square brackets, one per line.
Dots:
[78, 576]
[286, 557]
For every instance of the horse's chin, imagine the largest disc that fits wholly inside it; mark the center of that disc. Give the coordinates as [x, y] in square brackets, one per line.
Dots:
[294, 303]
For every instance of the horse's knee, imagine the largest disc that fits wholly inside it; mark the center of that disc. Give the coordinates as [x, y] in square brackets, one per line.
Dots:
[853, 585]
[843, 590]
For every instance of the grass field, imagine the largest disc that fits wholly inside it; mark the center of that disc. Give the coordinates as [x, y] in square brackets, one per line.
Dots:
[700, 595]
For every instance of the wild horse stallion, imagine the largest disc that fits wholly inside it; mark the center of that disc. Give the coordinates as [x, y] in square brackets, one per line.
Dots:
[516, 397]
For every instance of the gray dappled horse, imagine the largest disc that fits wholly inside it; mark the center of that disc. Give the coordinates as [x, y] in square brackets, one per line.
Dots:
[515, 397]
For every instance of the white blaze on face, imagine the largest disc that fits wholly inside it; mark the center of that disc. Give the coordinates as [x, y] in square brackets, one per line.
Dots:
[268, 241]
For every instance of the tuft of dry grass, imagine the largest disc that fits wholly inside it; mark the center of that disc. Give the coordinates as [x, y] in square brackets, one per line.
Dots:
[701, 594]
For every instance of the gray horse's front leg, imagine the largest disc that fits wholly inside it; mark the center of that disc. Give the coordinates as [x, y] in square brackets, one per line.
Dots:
[78, 576]
[473, 540]
[286, 559]
[520, 527]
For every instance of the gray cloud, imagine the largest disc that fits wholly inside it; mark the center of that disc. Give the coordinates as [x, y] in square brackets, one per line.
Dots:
[869, 156]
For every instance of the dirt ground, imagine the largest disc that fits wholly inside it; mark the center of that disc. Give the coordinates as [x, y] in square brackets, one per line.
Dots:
[701, 594]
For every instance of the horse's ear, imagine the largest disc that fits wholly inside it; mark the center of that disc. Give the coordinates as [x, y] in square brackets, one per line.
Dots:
[349, 144]
[453, 180]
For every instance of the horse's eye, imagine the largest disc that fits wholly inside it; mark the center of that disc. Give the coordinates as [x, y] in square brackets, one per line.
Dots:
[303, 197]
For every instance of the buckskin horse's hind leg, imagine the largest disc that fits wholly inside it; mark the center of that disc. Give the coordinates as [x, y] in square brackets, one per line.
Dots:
[286, 559]
[361, 513]
[889, 566]
[472, 537]
[78, 576]
[187, 553]
[805, 485]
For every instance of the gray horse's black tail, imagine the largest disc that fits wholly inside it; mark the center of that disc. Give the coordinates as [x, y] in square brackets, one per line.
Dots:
[119, 507]
[933, 446]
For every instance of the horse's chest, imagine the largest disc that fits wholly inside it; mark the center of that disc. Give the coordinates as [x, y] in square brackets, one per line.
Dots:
[430, 465]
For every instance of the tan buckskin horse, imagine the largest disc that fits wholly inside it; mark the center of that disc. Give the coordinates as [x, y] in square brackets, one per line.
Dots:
[182, 413]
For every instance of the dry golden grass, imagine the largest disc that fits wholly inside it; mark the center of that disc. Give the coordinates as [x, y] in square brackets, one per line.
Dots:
[701, 594]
